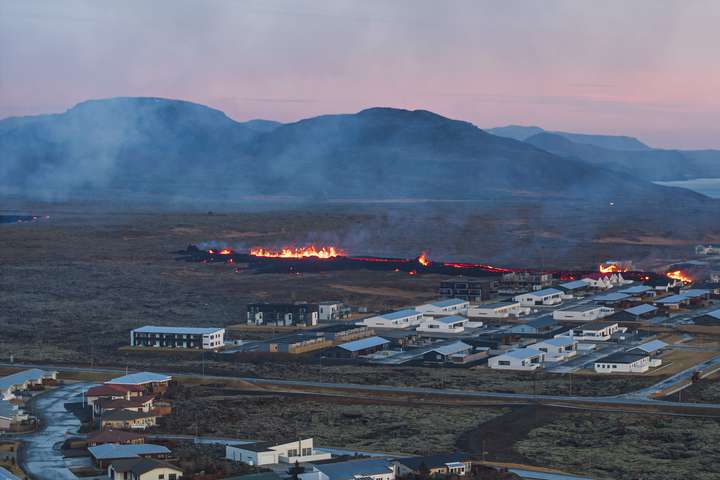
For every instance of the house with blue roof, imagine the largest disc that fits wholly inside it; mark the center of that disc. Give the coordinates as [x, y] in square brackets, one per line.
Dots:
[448, 306]
[405, 318]
[359, 348]
[452, 324]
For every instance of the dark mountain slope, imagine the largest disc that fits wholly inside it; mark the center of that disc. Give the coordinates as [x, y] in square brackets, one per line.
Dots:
[612, 142]
[655, 165]
[107, 148]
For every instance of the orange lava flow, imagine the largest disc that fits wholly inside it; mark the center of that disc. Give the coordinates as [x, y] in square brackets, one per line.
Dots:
[680, 276]
[298, 252]
[612, 269]
[423, 259]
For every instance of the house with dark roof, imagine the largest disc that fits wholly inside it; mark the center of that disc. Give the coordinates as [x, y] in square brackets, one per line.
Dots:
[623, 362]
[538, 326]
[119, 437]
[104, 454]
[637, 313]
[127, 419]
[710, 318]
[359, 348]
[456, 352]
[143, 469]
[367, 469]
[439, 465]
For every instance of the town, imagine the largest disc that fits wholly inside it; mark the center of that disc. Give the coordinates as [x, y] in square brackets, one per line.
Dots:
[663, 328]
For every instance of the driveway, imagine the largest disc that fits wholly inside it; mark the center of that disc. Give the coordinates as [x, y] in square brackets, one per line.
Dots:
[40, 456]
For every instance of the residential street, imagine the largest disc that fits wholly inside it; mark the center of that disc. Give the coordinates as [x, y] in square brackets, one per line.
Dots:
[40, 456]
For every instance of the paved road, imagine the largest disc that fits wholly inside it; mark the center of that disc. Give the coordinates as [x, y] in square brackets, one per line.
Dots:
[347, 389]
[673, 379]
[41, 457]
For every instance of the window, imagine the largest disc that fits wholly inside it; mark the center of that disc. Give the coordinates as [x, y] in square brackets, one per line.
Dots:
[161, 476]
[504, 363]
[172, 476]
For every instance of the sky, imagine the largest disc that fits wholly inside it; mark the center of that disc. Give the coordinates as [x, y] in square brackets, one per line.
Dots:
[646, 68]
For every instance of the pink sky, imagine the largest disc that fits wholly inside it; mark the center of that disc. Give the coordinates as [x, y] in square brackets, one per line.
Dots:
[647, 68]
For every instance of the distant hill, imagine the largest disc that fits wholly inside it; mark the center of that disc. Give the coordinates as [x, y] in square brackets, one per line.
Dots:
[178, 150]
[620, 153]
[612, 142]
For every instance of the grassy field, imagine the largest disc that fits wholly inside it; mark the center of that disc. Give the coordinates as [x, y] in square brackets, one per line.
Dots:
[355, 425]
[628, 447]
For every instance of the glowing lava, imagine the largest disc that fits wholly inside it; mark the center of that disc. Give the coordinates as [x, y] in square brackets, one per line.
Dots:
[423, 259]
[612, 268]
[298, 252]
[224, 251]
[680, 276]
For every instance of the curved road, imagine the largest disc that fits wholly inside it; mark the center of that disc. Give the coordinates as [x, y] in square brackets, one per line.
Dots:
[40, 456]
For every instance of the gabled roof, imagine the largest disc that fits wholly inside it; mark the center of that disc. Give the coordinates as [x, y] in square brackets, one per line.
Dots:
[672, 299]
[596, 326]
[113, 436]
[140, 378]
[694, 292]
[178, 330]
[448, 302]
[363, 343]
[714, 314]
[612, 297]
[546, 292]
[558, 341]
[354, 468]
[622, 357]
[636, 289]
[140, 466]
[496, 305]
[5, 475]
[19, 378]
[544, 321]
[408, 312]
[111, 451]
[112, 390]
[123, 415]
[522, 353]
[641, 309]
[452, 348]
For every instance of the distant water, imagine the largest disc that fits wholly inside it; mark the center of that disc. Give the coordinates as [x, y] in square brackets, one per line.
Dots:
[706, 186]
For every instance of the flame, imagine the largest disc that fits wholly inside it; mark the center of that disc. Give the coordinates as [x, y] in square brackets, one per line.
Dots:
[224, 251]
[680, 276]
[612, 268]
[423, 259]
[298, 252]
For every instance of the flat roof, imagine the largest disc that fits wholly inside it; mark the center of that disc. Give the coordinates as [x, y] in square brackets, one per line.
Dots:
[621, 357]
[641, 309]
[363, 343]
[714, 314]
[451, 319]
[574, 285]
[612, 297]
[652, 346]
[434, 461]
[178, 330]
[140, 378]
[544, 321]
[408, 312]
[694, 292]
[110, 451]
[451, 348]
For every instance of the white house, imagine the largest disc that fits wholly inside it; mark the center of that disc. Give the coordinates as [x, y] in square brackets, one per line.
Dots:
[520, 359]
[623, 362]
[594, 332]
[451, 324]
[366, 469]
[498, 310]
[557, 349]
[450, 306]
[210, 338]
[583, 313]
[547, 296]
[266, 453]
[330, 310]
[23, 380]
[398, 319]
